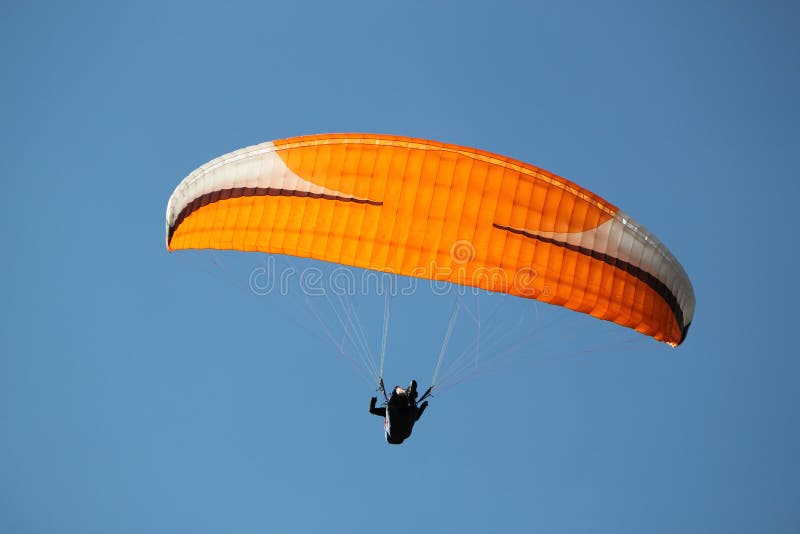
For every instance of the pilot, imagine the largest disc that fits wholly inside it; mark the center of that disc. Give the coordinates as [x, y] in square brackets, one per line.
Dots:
[400, 412]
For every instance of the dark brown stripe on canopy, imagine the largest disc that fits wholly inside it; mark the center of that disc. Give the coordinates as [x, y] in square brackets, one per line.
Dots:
[237, 192]
[637, 272]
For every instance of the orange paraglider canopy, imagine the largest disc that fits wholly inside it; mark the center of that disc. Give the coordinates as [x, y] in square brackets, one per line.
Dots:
[433, 210]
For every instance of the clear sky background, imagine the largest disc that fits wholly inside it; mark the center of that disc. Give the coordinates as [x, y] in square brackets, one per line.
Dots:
[142, 391]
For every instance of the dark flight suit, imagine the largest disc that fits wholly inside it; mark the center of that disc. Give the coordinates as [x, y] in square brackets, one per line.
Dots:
[399, 416]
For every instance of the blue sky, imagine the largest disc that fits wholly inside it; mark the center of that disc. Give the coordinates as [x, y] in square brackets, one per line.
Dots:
[142, 391]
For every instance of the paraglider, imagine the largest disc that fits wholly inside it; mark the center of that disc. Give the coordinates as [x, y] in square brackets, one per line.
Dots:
[400, 412]
[433, 210]
[438, 211]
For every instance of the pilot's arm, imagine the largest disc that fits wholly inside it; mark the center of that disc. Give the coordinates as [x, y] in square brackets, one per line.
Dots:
[377, 411]
[421, 409]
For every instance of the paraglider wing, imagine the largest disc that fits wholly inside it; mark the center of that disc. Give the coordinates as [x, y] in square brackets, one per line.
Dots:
[433, 210]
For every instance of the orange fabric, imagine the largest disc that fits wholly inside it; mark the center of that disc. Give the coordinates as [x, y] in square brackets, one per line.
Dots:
[440, 205]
